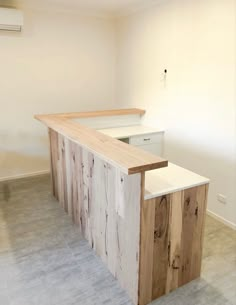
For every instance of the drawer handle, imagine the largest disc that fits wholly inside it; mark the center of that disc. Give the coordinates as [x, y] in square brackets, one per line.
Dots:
[148, 139]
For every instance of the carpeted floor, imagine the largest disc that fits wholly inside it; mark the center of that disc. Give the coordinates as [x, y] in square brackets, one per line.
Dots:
[45, 261]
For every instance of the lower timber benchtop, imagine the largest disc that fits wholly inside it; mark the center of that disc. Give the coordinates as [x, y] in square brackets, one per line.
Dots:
[144, 219]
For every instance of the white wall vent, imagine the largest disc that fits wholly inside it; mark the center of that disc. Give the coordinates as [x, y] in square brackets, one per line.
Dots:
[11, 19]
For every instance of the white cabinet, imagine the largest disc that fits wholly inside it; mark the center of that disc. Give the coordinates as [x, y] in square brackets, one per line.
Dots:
[155, 148]
[152, 143]
[147, 138]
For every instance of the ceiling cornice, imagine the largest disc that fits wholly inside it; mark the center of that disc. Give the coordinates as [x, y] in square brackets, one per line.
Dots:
[98, 13]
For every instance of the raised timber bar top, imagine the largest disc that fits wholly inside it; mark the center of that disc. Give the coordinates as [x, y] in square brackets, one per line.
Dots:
[93, 114]
[127, 158]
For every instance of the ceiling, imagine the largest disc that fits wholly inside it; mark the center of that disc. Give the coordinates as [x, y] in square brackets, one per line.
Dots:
[112, 7]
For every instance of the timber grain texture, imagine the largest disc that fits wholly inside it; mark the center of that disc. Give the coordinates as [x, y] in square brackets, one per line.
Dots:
[94, 114]
[172, 228]
[129, 159]
[104, 203]
[151, 246]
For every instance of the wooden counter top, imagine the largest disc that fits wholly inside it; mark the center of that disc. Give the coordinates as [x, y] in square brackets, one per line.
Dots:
[127, 158]
[93, 114]
[92, 179]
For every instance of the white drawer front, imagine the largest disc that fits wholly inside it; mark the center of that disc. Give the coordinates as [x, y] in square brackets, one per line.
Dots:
[154, 148]
[146, 139]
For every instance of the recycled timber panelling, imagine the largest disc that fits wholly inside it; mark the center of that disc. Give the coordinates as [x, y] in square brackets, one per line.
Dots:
[104, 202]
[171, 241]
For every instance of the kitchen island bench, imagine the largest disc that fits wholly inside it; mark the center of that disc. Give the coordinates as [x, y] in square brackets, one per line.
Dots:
[145, 219]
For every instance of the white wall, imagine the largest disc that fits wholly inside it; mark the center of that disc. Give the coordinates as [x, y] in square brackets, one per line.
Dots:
[61, 62]
[195, 41]
[65, 62]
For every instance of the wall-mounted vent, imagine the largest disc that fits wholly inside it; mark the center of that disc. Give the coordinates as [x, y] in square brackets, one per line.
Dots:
[11, 19]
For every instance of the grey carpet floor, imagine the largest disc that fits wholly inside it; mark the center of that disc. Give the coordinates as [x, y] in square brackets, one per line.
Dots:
[45, 261]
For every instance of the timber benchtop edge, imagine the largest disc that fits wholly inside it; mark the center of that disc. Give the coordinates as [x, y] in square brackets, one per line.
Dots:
[127, 158]
[93, 114]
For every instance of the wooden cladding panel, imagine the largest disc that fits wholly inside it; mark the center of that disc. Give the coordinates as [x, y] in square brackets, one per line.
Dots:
[161, 246]
[189, 218]
[53, 137]
[146, 251]
[171, 241]
[104, 202]
[198, 231]
[175, 237]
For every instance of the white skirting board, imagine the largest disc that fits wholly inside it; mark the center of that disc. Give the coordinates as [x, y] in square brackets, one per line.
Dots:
[222, 220]
[45, 172]
[26, 175]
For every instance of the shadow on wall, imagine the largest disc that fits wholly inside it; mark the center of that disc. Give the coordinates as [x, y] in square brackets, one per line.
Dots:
[13, 164]
[23, 154]
[220, 169]
[9, 3]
